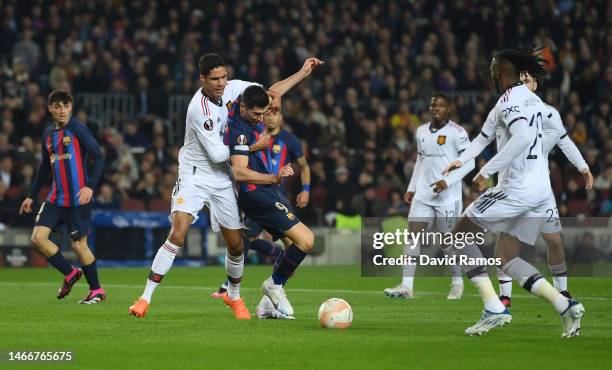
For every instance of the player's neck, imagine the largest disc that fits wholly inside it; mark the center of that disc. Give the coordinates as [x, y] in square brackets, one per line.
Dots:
[59, 125]
[210, 97]
[438, 125]
[511, 85]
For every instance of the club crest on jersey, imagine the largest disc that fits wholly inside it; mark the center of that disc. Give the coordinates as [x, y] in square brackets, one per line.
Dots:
[229, 105]
[242, 139]
[290, 216]
[276, 148]
[66, 140]
[208, 124]
[441, 139]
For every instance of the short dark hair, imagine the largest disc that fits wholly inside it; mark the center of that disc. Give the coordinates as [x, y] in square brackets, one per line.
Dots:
[442, 96]
[255, 96]
[60, 96]
[208, 62]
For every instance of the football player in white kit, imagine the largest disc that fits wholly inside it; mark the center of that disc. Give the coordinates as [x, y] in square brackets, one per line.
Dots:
[204, 178]
[554, 134]
[523, 191]
[435, 201]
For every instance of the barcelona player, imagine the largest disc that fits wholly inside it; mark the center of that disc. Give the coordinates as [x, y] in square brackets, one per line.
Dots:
[66, 148]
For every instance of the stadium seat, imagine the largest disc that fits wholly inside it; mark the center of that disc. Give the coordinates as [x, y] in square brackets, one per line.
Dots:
[579, 207]
[133, 205]
[159, 205]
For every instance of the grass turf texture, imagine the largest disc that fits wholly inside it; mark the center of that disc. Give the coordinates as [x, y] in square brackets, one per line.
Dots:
[186, 329]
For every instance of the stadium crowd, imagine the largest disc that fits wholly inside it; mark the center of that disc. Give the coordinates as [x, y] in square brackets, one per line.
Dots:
[356, 116]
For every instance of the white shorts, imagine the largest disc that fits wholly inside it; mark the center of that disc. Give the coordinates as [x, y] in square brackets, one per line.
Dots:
[551, 223]
[495, 211]
[443, 216]
[191, 194]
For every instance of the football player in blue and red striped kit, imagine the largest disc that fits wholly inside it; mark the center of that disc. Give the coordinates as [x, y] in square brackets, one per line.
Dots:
[259, 196]
[283, 147]
[66, 148]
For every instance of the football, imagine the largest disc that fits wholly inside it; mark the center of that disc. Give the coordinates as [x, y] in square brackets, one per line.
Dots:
[335, 313]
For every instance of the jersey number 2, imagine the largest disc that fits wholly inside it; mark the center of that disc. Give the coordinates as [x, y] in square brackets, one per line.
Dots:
[537, 118]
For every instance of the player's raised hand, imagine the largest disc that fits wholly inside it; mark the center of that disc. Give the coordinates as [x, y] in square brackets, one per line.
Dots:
[310, 64]
[479, 182]
[302, 199]
[84, 195]
[275, 101]
[439, 186]
[26, 206]
[452, 166]
[408, 197]
[262, 142]
[589, 179]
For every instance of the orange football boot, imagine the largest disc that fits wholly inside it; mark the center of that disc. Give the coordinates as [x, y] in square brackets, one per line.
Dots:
[139, 308]
[238, 306]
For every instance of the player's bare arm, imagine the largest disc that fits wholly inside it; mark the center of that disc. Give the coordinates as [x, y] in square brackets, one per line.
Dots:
[242, 173]
[304, 196]
[285, 85]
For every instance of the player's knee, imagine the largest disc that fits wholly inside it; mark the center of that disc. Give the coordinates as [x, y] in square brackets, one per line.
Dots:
[38, 239]
[235, 246]
[177, 236]
[307, 241]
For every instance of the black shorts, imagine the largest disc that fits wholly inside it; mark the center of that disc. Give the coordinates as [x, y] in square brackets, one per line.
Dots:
[268, 207]
[77, 219]
[252, 229]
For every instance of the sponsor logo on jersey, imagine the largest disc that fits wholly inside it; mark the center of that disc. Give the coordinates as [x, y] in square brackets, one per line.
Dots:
[66, 140]
[242, 139]
[441, 139]
[510, 111]
[54, 157]
[208, 124]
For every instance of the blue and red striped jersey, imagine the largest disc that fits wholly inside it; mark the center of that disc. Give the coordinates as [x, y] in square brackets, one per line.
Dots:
[65, 154]
[239, 136]
[284, 148]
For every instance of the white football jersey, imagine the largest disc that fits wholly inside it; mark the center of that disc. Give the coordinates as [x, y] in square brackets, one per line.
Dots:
[552, 128]
[203, 153]
[436, 149]
[526, 178]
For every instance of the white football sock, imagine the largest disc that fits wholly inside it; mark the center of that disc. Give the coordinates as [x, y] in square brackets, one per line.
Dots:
[161, 264]
[234, 266]
[505, 284]
[487, 293]
[559, 273]
[542, 288]
[408, 270]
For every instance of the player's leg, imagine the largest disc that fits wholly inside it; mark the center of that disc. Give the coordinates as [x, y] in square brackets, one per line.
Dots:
[48, 218]
[571, 311]
[79, 224]
[302, 242]
[474, 221]
[163, 260]
[555, 254]
[446, 217]
[505, 288]
[224, 216]
[406, 288]
[420, 216]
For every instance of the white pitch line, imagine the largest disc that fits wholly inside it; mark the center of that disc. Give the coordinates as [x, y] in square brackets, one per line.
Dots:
[301, 290]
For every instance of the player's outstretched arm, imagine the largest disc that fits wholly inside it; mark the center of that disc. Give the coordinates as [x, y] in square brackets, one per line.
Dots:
[242, 173]
[281, 87]
[518, 142]
[572, 153]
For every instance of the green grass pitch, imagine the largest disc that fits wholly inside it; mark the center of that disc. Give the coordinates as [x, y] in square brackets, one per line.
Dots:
[186, 329]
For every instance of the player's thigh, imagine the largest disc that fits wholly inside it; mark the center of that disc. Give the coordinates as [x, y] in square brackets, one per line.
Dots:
[223, 207]
[507, 247]
[301, 236]
[447, 216]
[181, 222]
[421, 212]
[40, 234]
[188, 197]
[79, 221]
[270, 210]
